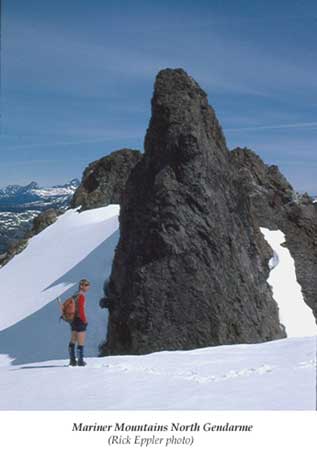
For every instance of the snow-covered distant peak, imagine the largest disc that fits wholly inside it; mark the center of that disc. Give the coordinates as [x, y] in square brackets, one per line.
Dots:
[72, 184]
[15, 189]
[54, 191]
[33, 188]
[66, 189]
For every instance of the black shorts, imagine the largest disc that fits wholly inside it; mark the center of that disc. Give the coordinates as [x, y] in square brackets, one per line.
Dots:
[78, 325]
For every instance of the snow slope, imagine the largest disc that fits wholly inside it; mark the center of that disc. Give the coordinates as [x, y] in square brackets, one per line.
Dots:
[295, 314]
[277, 375]
[77, 245]
[33, 344]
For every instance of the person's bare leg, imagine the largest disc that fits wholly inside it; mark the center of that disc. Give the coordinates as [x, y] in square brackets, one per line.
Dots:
[74, 337]
[81, 335]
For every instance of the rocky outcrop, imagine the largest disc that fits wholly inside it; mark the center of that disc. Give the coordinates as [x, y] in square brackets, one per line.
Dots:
[44, 220]
[191, 265]
[15, 248]
[104, 180]
[102, 184]
[267, 188]
[40, 222]
[276, 205]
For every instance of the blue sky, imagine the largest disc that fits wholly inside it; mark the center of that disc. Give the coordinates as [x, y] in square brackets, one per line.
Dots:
[77, 79]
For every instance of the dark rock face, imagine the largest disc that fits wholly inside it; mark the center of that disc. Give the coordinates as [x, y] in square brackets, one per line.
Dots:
[276, 205]
[191, 265]
[267, 188]
[104, 180]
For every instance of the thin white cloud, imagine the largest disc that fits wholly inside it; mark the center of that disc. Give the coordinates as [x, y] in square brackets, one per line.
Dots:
[88, 67]
[308, 125]
[33, 162]
[66, 143]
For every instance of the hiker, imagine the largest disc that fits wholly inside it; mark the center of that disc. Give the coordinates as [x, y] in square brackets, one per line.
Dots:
[78, 326]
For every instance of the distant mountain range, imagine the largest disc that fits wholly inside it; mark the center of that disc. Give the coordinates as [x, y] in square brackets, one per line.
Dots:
[20, 204]
[17, 198]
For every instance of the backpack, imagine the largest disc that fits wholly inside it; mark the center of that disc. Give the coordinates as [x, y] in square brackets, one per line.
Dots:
[69, 308]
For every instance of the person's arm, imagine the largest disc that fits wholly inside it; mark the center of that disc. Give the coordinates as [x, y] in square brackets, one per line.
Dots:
[81, 308]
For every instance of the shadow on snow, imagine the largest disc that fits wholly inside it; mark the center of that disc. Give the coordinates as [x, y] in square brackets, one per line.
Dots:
[41, 336]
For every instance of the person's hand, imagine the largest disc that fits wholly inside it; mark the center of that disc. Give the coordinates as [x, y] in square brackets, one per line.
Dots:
[104, 302]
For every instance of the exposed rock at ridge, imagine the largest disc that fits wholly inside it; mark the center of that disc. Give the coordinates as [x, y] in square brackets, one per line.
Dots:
[44, 220]
[40, 222]
[267, 188]
[276, 205]
[103, 183]
[14, 249]
[104, 180]
[191, 266]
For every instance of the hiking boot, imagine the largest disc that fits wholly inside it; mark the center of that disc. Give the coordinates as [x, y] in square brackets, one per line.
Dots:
[80, 354]
[72, 357]
[81, 363]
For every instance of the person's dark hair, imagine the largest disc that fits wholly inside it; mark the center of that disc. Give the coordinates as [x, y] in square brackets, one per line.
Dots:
[84, 282]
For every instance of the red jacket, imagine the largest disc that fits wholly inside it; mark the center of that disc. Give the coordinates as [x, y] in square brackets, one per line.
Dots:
[81, 307]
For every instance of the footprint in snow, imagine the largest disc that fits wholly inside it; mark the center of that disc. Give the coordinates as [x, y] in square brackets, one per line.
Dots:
[307, 364]
[246, 372]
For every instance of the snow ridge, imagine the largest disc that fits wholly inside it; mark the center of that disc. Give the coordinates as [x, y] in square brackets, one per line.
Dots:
[295, 314]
